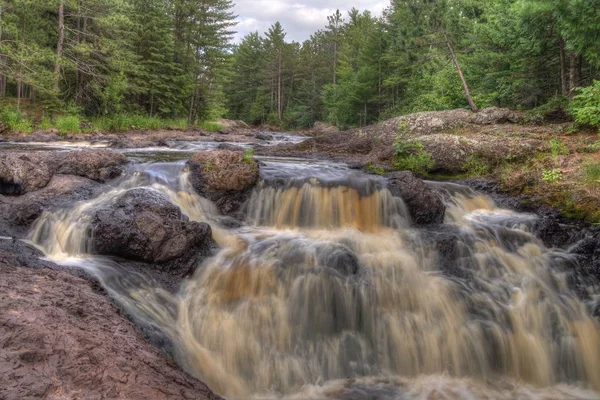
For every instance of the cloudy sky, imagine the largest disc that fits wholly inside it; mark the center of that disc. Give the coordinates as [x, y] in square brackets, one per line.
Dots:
[299, 18]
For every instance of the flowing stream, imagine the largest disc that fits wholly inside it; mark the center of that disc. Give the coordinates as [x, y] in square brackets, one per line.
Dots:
[327, 291]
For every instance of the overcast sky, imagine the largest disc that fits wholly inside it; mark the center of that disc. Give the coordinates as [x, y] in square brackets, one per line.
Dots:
[299, 18]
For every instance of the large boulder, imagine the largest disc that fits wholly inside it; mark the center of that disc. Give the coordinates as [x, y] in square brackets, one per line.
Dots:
[424, 204]
[144, 225]
[18, 213]
[223, 176]
[98, 165]
[23, 172]
[27, 171]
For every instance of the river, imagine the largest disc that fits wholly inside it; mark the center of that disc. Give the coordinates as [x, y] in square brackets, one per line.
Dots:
[327, 290]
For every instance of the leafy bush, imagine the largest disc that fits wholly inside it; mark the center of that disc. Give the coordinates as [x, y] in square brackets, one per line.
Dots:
[411, 156]
[586, 105]
[551, 175]
[210, 126]
[15, 120]
[68, 124]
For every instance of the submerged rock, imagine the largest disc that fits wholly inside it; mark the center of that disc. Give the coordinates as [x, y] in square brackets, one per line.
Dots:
[144, 225]
[423, 203]
[223, 176]
[23, 172]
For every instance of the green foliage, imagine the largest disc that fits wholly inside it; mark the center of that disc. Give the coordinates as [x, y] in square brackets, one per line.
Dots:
[551, 175]
[411, 156]
[476, 166]
[586, 105]
[210, 126]
[591, 173]
[126, 122]
[15, 120]
[557, 148]
[375, 169]
[68, 124]
[557, 108]
[249, 155]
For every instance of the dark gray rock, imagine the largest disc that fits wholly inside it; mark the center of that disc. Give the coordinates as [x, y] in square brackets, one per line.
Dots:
[18, 213]
[144, 225]
[423, 203]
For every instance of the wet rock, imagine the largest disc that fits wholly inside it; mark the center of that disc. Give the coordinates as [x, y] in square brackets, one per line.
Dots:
[23, 172]
[423, 203]
[61, 339]
[98, 165]
[223, 176]
[18, 213]
[264, 136]
[338, 260]
[144, 225]
[229, 146]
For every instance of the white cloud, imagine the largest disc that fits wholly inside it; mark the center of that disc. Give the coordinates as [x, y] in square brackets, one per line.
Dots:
[299, 20]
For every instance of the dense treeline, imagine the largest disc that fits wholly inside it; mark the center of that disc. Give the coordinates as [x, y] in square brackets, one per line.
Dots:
[362, 68]
[162, 58]
[175, 59]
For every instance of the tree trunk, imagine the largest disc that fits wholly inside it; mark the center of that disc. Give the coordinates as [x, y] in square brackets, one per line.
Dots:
[335, 62]
[462, 77]
[572, 73]
[2, 76]
[59, 44]
[563, 69]
[19, 88]
[279, 100]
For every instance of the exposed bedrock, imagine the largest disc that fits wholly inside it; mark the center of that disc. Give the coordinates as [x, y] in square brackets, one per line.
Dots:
[60, 339]
[225, 177]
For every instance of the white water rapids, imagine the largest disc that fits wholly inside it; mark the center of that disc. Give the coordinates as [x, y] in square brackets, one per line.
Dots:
[327, 291]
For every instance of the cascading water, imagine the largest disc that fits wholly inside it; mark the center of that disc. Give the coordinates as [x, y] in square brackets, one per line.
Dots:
[328, 292]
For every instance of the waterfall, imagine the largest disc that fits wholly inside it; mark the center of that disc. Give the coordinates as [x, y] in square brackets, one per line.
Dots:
[328, 281]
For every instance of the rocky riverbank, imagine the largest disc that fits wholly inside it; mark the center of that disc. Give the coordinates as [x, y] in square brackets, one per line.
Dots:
[64, 338]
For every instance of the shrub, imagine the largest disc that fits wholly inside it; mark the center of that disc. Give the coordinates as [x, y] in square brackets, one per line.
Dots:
[68, 124]
[411, 156]
[210, 126]
[551, 175]
[15, 120]
[586, 105]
